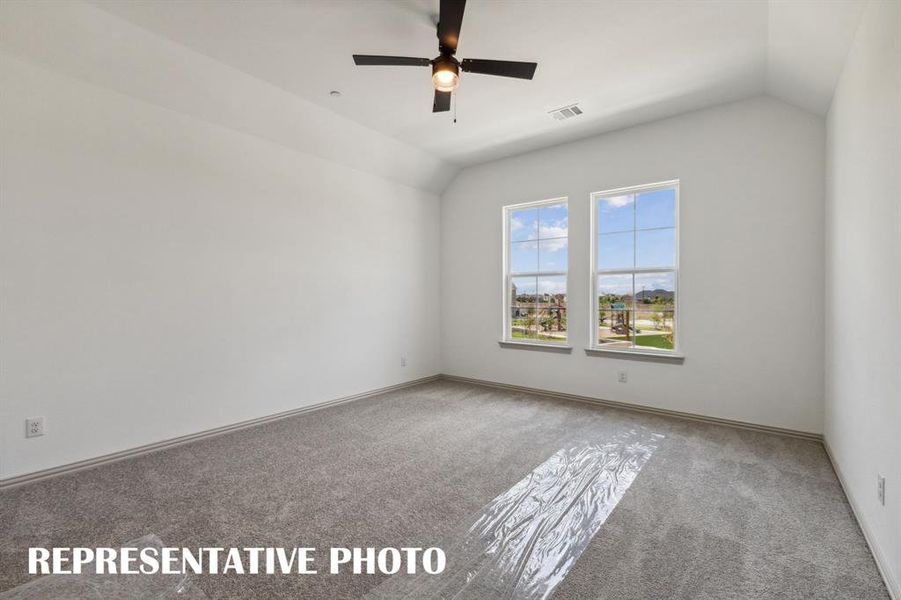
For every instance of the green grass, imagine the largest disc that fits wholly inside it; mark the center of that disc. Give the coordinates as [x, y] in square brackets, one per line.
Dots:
[520, 335]
[649, 341]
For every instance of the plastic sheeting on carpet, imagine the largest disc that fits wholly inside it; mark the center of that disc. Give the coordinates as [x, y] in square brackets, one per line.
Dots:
[523, 543]
[88, 586]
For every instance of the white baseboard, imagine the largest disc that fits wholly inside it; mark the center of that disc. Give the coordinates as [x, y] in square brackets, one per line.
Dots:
[879, 556]
[806, 435]
[882, 562]
[139, 450]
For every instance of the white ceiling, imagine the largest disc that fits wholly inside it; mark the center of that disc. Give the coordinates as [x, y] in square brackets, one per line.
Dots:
[807, 45]
[265, 67]
[624, 61]
[84, 44]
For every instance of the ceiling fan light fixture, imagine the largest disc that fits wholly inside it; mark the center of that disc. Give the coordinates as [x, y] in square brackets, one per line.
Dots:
[446, 68]
[445, 75]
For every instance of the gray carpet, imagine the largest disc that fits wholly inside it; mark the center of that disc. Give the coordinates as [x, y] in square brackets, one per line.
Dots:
[716, 512]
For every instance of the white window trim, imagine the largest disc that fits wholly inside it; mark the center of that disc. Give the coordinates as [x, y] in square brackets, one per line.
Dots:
[506, 339]
[594, 347]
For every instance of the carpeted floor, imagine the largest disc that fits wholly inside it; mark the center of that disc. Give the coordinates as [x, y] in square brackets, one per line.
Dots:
[716, 512]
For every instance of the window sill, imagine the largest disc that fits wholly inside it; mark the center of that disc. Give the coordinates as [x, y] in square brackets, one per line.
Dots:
[637, 354]
[535, 346]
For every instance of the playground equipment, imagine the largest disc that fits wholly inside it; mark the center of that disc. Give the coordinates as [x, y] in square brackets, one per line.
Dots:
[622, 322]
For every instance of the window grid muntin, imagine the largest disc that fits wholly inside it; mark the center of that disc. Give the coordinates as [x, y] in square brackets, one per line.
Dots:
[596, 272]
[507, 334]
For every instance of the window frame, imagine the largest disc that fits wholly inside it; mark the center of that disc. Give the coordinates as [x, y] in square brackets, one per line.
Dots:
[506, 337]
[593, 345]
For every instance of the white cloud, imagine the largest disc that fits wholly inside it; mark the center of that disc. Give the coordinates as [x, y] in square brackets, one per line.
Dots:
[552, 286]
[615, 284]
[552, 245]
[556, 230]
[553, 237]
[557, 235]
[654, 282]
[618, 201]
[525, 245]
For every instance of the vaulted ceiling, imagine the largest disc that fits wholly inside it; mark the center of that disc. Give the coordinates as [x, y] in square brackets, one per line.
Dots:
[623, 61]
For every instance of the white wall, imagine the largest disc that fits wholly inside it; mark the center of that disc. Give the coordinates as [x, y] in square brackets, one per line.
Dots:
[89, 43]
[863, 279]
[162, 275]
[752, 178]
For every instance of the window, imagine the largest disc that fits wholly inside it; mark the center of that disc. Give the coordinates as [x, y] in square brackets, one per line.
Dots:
[535, 265]
[635, 268]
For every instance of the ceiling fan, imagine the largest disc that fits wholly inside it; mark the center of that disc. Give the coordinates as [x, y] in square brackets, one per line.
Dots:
[445, 67]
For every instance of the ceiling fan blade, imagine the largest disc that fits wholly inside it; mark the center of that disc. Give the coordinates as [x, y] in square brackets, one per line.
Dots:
[502, 68]
[450, 19]
[391, 61]
[442, 102]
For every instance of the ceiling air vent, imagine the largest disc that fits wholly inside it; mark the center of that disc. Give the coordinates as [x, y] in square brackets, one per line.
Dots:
[567, 112]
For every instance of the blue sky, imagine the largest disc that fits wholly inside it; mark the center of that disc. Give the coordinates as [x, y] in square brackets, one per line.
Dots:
[538, 240]
[634, 230]
[637, 230]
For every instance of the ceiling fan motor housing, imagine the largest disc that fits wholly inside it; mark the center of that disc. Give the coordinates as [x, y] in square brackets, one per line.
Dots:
[446, 62]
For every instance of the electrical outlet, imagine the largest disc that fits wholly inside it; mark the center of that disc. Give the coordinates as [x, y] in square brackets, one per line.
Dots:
[880, 489]
[34, 427]
[403, 361]
[622, 376]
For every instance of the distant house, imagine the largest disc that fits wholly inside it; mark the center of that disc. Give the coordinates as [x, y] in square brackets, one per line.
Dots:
[527, 304]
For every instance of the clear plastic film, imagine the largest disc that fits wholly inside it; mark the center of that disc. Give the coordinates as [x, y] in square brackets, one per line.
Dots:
[525, 541]
[88, 586]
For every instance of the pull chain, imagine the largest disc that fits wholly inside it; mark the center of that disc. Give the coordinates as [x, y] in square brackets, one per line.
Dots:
[455, 108]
